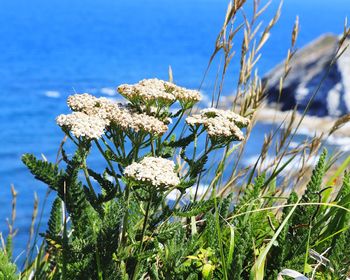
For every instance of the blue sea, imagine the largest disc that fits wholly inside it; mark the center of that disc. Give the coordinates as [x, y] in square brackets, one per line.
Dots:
[51, 49]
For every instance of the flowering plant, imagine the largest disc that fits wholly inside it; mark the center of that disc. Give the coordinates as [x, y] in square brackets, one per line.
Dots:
[127, 205]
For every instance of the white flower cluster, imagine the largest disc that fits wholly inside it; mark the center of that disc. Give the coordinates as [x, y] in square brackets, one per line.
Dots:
[82, 103]
[82, 125]
[155, 89]
[128, 118]
[101, 112]
[108, 112]
[93, 106]
[186, 95]
[147, 90]
[159, 172]
[219, 123]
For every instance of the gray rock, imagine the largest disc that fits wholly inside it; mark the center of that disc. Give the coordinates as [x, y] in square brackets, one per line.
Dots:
[309, 66]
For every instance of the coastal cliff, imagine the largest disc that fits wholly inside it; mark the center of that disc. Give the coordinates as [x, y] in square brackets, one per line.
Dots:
[312, 68]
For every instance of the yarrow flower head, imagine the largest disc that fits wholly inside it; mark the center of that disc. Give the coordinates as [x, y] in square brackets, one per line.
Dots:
[147, 90]
[82, 125]
[114, 113]
[219, 123]
[82, 102]
[91, 105]
[159, 172]
[127, 118]
[155, 89]
[186, 95]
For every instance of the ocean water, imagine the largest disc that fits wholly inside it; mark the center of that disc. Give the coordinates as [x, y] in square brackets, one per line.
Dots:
[51, 49]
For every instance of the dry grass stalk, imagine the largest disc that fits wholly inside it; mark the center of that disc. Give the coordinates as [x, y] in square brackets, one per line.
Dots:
[339, 123]
[31, 230]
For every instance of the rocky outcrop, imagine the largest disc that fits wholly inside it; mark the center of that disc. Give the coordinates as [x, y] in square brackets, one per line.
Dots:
[310, 68]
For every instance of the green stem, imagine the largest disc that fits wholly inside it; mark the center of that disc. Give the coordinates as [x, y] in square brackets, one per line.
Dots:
[175, 125]
[136, 144]
[71, 138]
[144, 226]
[200, 174]
[139, 140]
[177, 201]
[98, 261]
[159, 146]
[218, 230]
[146, 143]
[145, 221]
[65, 241]
[125, 219]
[109, 164]
[306, 257]
[120, 140]
[109, 148]
[87, 177]
[152, 147]
[194, 146]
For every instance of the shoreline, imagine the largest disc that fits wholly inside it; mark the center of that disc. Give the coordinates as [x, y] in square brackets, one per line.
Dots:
[311, 124]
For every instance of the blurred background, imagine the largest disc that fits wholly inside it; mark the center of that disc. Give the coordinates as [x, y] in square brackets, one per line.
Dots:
[51, 49]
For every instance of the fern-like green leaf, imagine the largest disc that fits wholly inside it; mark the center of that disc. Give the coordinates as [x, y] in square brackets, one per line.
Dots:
[43, 170]
[195, 208]
[168, 231]
[7, 269]
[55, 220]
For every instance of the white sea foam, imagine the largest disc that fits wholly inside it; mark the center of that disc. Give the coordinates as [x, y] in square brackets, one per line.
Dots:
[293, 144]
[173, 195]
[205, 99]
[108, 91]
[292, 166]
[342, 142]
[52, 94]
